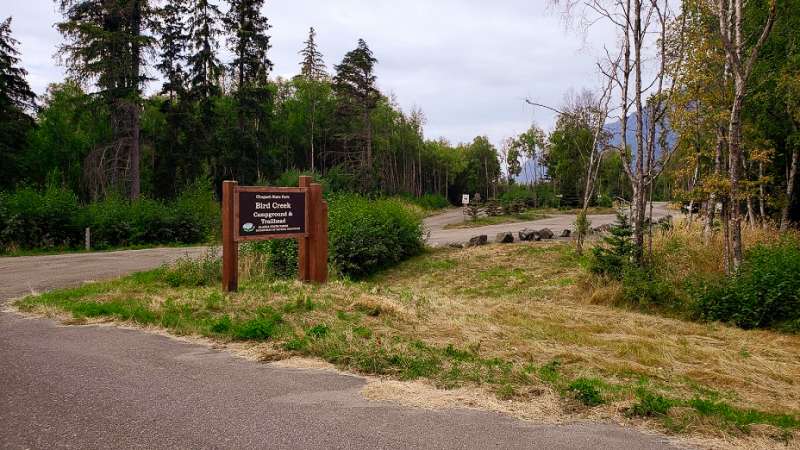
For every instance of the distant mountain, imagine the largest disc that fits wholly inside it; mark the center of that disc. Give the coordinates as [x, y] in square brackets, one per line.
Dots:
[615, 128]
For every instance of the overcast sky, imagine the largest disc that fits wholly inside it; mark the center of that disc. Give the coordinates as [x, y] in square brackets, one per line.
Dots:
[468, 64]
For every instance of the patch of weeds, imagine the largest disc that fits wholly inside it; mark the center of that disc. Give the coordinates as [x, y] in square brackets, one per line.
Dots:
[221, 325]
[742, 418]
[295, 344]
[318, 331]
[191, 272]
[344, 316]
[214, 301]
[534, 250]
[587, 391]
[649, 404]
[549, 372]
[303, 303]
[126, 310]
[459, 355]
[506, 392]
[262, 327]
[362, 332]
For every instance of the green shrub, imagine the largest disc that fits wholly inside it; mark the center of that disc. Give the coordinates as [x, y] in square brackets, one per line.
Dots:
[586, 391]
[366, 236]
[764, 293]
[604, 201]
[50, 218]
[54, 218]
[433, 201]
[518, 194]
[641, 286]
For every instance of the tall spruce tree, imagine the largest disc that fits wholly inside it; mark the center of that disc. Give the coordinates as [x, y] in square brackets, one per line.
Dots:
[249, 42]
[312, 76]
[204, 66]
[107, 42]
[173, 32]
[354, 83]
[17, 100]
[312, 67]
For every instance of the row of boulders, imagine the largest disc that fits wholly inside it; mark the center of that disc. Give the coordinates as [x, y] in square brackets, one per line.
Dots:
[507, 237]
[527, 234]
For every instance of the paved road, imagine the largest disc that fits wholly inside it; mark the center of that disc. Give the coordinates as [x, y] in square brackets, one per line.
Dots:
[27, 274]
[101, 387]
[437, 235]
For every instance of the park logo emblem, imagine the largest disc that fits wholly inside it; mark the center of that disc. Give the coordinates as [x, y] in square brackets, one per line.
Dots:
[248, 227]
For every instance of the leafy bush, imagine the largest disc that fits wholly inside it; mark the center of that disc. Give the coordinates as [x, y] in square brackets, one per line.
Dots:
[604, 201]
[366, 236]
[518, 194]
[51, 218]
[432, 201]
[764, 293]
[54, 218]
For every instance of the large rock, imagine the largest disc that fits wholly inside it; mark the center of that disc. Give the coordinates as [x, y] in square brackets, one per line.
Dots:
[527, 234]
[545, 233]
[566, 233]
[474, 241]
[603, 228]
[504, 238]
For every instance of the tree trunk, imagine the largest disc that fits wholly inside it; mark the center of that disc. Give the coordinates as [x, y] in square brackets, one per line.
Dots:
[136, 186]
[639, 207]
[790, 182]
[734, 167]
[761, 205]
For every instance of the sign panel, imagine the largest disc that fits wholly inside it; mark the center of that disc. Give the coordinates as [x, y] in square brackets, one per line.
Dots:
[465, 199]
[264, 213]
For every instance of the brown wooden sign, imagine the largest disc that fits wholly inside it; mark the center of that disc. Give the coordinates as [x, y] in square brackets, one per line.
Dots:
[254, 213]
[270, 213]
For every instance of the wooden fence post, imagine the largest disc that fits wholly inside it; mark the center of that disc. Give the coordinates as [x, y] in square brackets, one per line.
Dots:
[312, 251]
[303, 257]
[230, 248]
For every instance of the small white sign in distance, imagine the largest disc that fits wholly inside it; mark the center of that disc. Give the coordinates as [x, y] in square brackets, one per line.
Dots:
[465, 199]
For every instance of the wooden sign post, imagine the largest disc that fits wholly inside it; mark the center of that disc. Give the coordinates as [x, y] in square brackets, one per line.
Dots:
[256, 213]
